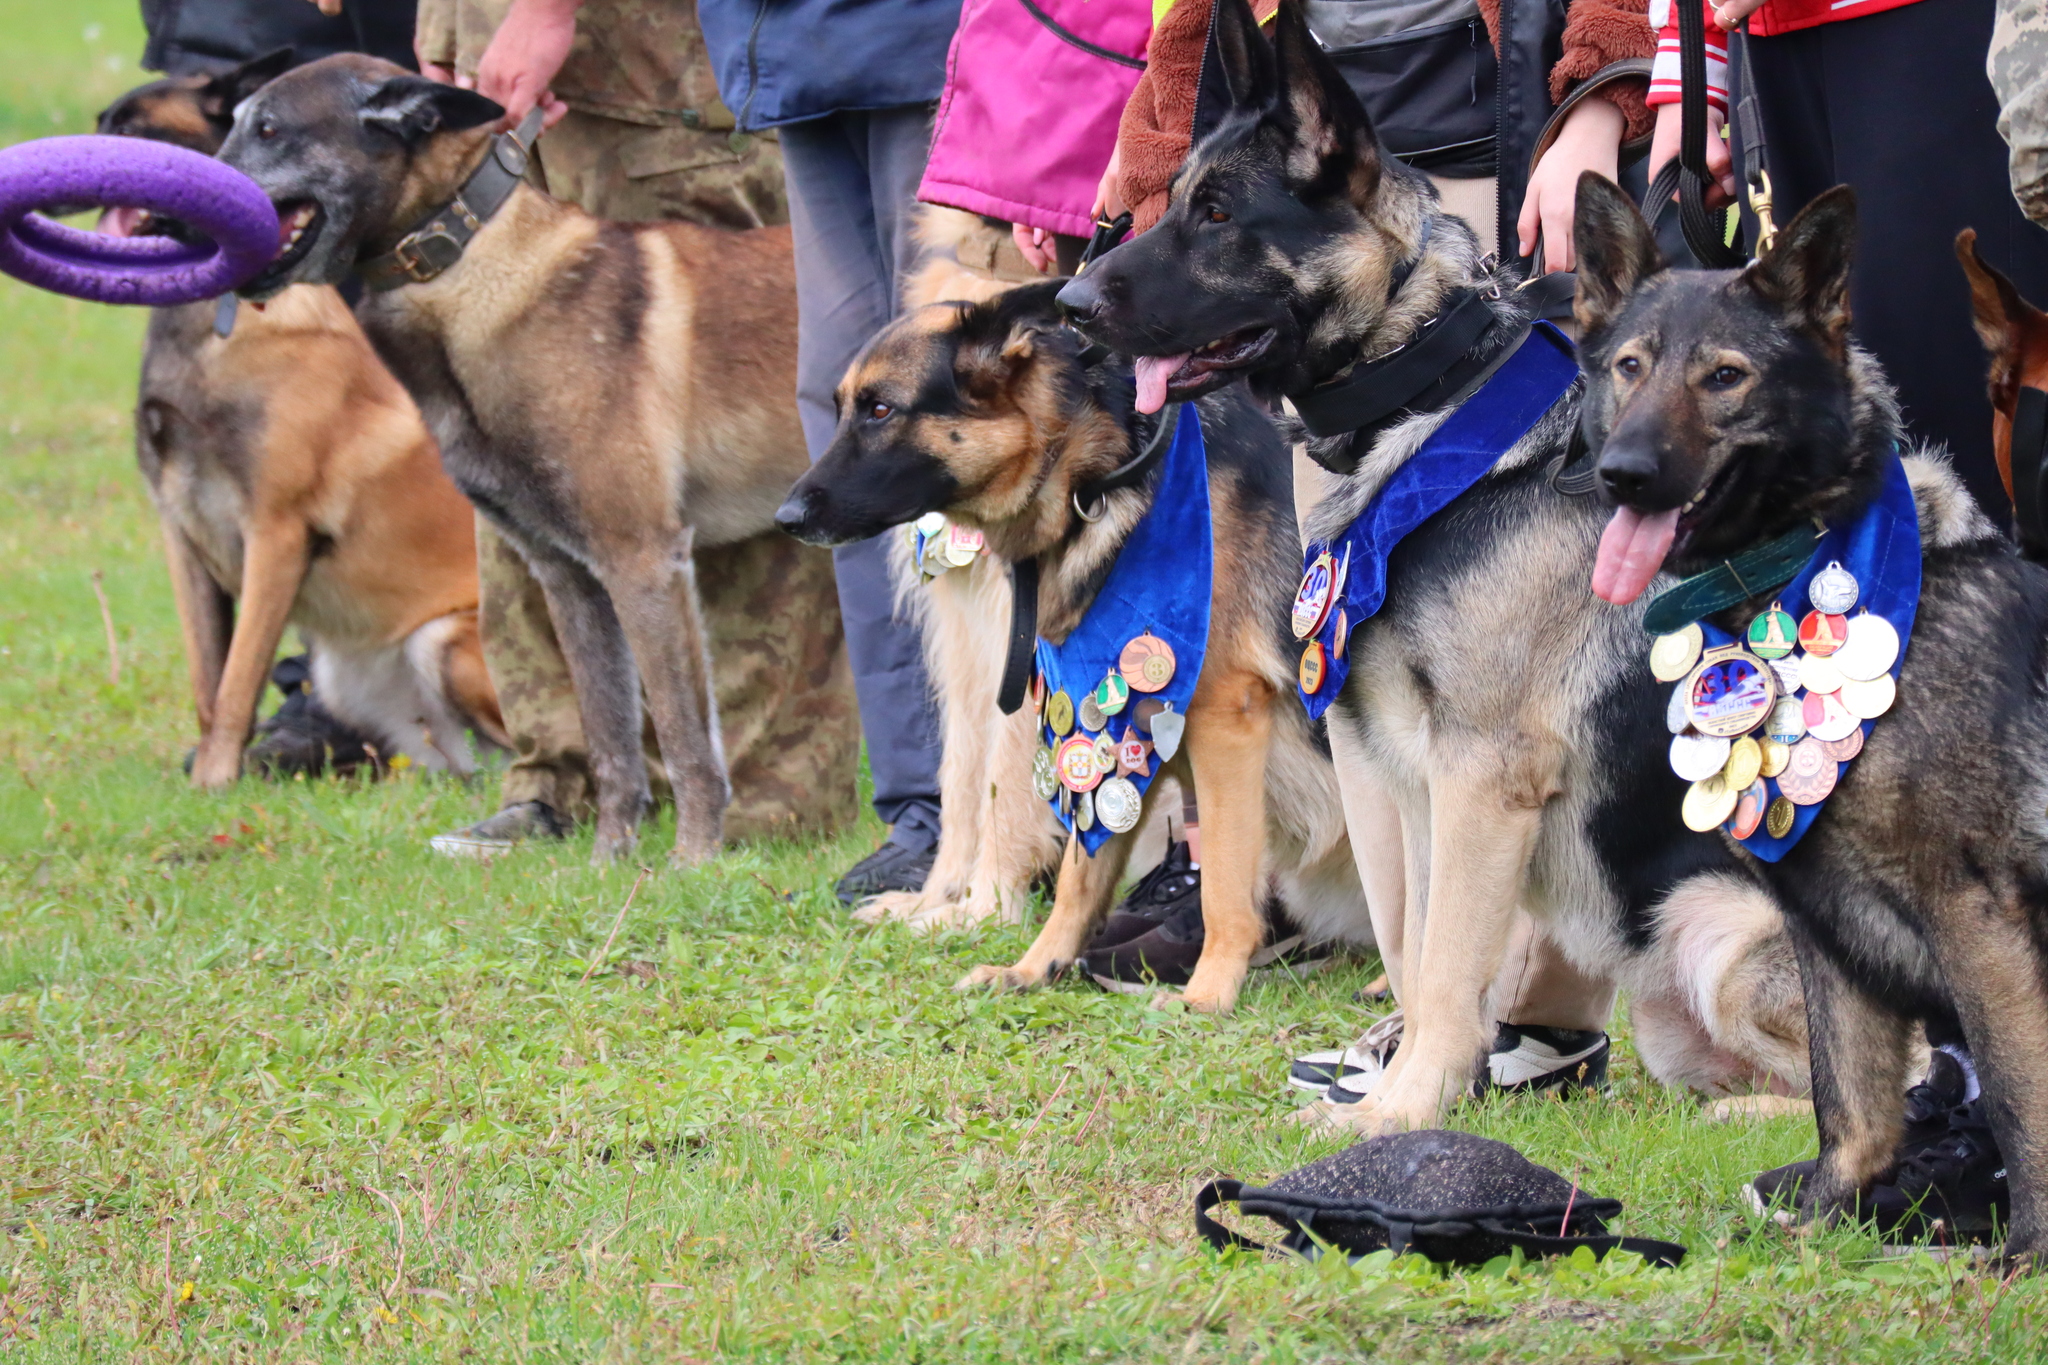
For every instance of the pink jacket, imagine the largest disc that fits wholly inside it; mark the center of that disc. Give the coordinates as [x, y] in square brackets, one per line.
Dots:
[1034, 89]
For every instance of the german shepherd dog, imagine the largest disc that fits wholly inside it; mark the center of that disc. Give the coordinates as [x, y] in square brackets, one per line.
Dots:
[612, 396]
[1499, 738]
[1727, 408]
[297, 485]
[988, 413]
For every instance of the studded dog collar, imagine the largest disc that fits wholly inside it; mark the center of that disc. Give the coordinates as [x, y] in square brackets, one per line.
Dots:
[439, 240]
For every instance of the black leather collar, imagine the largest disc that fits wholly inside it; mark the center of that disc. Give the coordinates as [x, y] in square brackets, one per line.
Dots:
[1421, 376]
[1132, 470]
[438, 242]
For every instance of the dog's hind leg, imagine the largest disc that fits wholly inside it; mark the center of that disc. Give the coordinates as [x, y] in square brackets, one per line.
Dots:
[467, 683]
[1229, 730]
[1085, 888]
[273, 566]
[607, 695]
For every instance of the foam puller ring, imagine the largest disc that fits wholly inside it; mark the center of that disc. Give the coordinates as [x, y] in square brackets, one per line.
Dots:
[127, 172]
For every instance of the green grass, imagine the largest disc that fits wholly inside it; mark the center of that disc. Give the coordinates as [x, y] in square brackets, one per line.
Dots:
[277, 1085]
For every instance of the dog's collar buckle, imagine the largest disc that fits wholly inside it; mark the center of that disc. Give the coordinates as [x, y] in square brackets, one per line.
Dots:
[428, 251]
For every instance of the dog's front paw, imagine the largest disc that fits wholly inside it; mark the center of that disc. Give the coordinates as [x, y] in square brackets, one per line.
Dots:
[1202, 1002]
[953, 916]
[1000, 979]
[216, 767]
[612, 848]
[1743, 1108]
[889, 907]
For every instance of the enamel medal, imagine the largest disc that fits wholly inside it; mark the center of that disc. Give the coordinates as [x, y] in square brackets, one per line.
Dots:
[1822, 633]
[1729, 693]
[1672, 656]
[1118, 805]
[1773, 633]
[1312, 599]
[1133, 755]
[1146, 663]
[1311, 671]
[1167, 727]
[1105, 755]
[1111, 695]
[1749, 811]
[963, 543]
[1827, 720]
[1833, 590]
[1077, 769]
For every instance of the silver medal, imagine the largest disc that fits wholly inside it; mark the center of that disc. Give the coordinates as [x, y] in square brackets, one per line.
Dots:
[1698, 757]
[1090, 712]
[1871, 649]
[1787, 723]
[1045, 777]
[1787, 670]
[1675, 718]
[1833, 590]
[1084, 811]
[1118, 805]
[1167, 728]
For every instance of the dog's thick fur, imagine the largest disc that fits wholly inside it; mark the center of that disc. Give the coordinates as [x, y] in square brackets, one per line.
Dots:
[1508, 722]
[987, 413]
[297, 485]
[1920, 895]
[612, 396]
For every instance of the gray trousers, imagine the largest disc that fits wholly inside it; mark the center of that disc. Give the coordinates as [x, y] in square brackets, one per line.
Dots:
[852, 188]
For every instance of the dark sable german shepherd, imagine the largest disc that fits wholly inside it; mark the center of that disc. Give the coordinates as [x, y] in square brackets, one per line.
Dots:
[987, 413]
[1497, 723]
[613, 396]
[1728, 407]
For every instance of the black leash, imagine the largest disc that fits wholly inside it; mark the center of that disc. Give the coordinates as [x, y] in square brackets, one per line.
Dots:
[1686, 174]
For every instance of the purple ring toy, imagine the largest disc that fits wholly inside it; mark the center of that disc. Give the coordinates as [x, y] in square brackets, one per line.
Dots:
[121, 172]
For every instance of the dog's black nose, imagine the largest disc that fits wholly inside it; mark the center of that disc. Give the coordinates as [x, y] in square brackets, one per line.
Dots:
[1081, 300]
[794, 514]
[1626, 472]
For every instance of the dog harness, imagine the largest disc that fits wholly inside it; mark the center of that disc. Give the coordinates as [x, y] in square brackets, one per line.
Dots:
[442, 236]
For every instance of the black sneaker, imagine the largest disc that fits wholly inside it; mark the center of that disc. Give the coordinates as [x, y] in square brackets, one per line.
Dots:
[892, 867]
[1524, 1058]
[1953, 1191]
[1166, 956]
[1170, 887]
[499, 833]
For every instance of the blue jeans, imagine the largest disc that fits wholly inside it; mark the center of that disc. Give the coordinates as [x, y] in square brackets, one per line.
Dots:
[852, 188]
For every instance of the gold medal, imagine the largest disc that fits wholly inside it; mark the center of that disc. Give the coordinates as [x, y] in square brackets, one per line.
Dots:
[1045, 774]
[1146, 663]
[1311, 670]
[1810, 776]
[1749, 811]
[1869, 700]
[1118, 805]
[1708, 804]
[1820, 673]
[1059, 713]
[1698, 757]
[1312, 599]
[1730, 693]
[1775, 755]
[1077, 769]
[1778, 819]
[1745, 765]
[1842, 750]
[1773, 633]
[1672, 656]
[1871, 649]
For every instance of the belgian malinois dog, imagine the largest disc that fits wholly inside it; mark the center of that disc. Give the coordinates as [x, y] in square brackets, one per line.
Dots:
[1499, 738]
[1729, 407]
[613, 396]
[297, 485]
[987, 412]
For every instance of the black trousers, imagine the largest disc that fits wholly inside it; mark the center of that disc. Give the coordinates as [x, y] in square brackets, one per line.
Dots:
[1897, 105]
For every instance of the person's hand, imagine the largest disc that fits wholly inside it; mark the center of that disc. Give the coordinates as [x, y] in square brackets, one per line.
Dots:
[1589, 141]
[330, 8]
[523, 57]
[1720, 165]
[434, 71]
[1728, 15]
[1036, 244]
[1109, 199]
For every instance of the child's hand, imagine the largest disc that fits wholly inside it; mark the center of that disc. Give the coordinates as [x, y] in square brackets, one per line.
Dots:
[1589, 141]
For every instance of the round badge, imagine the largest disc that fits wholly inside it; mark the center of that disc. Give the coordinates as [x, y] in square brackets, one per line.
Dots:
[1340, 638]
[1730, 693]
[1312, 668]
[1833, 590]
[1312, 599]
[1778, 819]
[1112, 695]
[1146, 709]
[1833, 722]
[963, 543]
[1089, 714]
[1675, 718]
[1105, 755]
[1820, 674]
[1045, 775]
[930, 524]
[1787, 723]
[1869, 700]
[1146, 663]
[1787, 670]
[1084, 811]
[1708, 804]
[1772, 634]
[1672, 656]
[1821, 634]
[1745, 765]
[1118, 805]
[1078, 772]
[1842, 750]
[1872, 648]
[1059, 713]
[1775, 755]
[1810, 776]
[1749, 811]
[1697, 757]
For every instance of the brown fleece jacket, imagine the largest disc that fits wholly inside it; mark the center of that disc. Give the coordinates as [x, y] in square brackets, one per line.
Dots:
[1158, 120]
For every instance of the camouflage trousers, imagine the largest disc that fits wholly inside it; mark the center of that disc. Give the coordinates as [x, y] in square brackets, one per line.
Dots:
[779, 667]
[2018, 67]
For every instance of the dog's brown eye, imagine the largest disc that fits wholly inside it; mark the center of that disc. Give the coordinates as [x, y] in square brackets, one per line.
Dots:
[1629, 366]
[1726, 377]
[266, 129]
[879, 412]
[1218, 216]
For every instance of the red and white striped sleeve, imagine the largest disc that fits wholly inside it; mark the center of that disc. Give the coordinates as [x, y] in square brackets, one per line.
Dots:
[1664, 74]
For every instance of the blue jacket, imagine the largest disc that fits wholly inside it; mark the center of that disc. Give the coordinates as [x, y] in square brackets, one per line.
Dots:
[782, 61]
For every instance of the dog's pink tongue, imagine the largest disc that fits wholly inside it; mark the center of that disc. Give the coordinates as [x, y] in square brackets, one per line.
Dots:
[1632, 549]
[1153, 372]
[121, 222]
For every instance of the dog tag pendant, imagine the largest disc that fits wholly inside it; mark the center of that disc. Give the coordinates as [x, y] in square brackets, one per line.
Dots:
[1090, 714]
[1821, 633]
[1842, 750]
[1698, 757]
[1312, 598]
[1833, 590]
[1708, 804]
[1084, 811]
[1827, 719]
[1078, 772]
[1672, 656]
[1045, 774]
[1787, 724]
[1112, 695]
[1776, 754]
[1133, 755]
[1146, 663]
[1166, 732]
[1749, 811]
[1730, 693]
[1773, 633]
[1118, 805]
[1821, 674]
[1810, 776]
[1059, 713]
[1778, 819]
[1869, 700]
[1311, 670]
[1872, 648]
[1745, 765]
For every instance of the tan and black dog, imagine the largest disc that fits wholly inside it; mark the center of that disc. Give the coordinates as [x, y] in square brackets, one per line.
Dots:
[297, 485]
[988, 413]
[612, 396]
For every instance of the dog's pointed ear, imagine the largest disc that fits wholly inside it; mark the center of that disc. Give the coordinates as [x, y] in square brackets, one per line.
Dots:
[222, 93]
[1237, 67]
[1615, 249]
[986, 369]
[412, 108]
[1806, 271]
[1334, 147]
[2006, 323]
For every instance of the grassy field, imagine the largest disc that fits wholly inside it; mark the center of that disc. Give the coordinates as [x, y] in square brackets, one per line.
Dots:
[275, 1084]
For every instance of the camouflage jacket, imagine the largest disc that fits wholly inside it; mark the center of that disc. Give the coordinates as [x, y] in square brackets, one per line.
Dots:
[2018, 67]
[642, 61]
